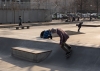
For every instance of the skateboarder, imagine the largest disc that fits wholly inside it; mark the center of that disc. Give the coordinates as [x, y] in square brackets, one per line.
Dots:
[79, 26]
[63, 38]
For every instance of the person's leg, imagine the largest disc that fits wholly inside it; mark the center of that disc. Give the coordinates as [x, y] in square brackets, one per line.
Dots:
[68, 46]
[78, 29]
[64, 48]
[50, 37]
[19, 23]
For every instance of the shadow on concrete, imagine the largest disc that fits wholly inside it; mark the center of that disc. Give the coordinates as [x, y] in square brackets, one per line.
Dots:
[8, 43]
[82, 58]
[90, 25]
[73, 32]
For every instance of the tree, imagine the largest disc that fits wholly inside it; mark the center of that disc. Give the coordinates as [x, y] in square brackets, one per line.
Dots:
[87, 5]
[96, 3]
[82, 5]
[40, 3]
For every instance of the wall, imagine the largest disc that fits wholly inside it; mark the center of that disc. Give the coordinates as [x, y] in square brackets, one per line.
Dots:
[35, 15]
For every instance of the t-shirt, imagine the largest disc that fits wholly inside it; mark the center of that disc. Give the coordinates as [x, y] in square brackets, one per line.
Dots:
[63, 35]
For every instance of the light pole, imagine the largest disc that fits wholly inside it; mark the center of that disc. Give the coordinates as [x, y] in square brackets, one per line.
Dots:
[14, 4]
[97, 7]
[90, 12]
[4, 5]
[91, 9]
[81, 7]
[5, 9]
[65, 6]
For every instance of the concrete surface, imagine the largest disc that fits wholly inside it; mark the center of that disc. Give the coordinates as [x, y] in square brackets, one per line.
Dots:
[85, 46]
[53, 22]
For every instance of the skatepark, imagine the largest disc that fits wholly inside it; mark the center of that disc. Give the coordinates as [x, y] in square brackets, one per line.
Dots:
[85, 46]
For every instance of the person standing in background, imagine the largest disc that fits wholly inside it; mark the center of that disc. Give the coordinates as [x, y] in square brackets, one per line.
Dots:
[20, 21]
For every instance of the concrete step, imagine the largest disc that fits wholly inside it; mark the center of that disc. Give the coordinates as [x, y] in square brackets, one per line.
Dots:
[86, 25]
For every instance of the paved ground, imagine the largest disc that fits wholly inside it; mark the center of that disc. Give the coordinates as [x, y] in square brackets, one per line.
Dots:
[54, 22]
[85, 45]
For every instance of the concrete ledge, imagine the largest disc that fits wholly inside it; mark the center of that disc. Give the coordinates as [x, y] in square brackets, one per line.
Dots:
[34, 55]
[22, 27]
